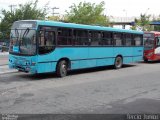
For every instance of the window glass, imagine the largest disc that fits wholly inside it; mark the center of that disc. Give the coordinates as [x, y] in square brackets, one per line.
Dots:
[46, 41]
[23, 41]
[118, 39]
[64, 36]
[106, 38]
[149, 42]
[157, 41]
[138, 40]
[128, 39]
[94, 38]
[80, 37]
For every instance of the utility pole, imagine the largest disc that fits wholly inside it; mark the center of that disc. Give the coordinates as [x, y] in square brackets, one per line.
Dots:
[125, 12]
[146, 12]
[53, 11]
[12, 6]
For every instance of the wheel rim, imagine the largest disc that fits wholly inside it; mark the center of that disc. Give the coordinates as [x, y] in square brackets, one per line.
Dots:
[63, 69]
[118, 62]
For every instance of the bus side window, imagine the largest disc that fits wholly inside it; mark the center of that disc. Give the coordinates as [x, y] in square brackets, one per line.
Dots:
[94, 38]
[106, 38]
[80, 37]
[118, 39]
[46, 41]
[41, 38]
[138, 40]
[64, 36]
[49, 38]
[128, 39]
[158, 41]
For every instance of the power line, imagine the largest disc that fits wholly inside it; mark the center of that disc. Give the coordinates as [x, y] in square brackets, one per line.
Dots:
[53, 10]
[12, 6]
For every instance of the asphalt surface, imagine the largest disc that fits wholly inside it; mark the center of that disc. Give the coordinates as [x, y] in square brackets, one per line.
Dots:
[3, 58]
[4, 68]
[133, 89]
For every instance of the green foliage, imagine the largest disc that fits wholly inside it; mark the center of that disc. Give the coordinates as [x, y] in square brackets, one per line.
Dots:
[23, 12]
[133, 27]
[143, 22]
[54, 18]
[87, 13]
[1, 36]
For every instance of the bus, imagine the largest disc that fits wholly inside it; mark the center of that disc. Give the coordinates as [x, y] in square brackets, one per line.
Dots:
[38, 46]
[151, 46]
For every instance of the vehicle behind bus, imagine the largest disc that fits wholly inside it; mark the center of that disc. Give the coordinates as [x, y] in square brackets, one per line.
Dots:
[151, 46]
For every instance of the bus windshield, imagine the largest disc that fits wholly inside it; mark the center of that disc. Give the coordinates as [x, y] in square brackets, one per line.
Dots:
[148, 41]
[23, 41]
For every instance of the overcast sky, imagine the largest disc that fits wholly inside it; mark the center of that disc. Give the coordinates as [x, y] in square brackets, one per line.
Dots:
[118, 8]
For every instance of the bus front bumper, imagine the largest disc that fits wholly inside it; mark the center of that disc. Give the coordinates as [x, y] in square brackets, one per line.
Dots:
[28, 69]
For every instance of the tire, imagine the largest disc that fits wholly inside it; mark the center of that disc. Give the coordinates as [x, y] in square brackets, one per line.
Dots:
[145, 60]
[118, 62]
[62, 68]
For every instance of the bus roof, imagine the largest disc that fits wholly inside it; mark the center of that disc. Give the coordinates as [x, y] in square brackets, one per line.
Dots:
[81, 26]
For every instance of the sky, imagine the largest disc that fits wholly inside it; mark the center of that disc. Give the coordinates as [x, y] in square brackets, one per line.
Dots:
[115, 8]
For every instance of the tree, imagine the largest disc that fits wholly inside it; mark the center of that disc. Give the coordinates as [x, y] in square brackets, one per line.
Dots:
[87, 13]
[143, 22]
[54, 18]
[23, 12]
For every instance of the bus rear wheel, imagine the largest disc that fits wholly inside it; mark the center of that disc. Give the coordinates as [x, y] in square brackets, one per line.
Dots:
[62, 68]
[118, 62]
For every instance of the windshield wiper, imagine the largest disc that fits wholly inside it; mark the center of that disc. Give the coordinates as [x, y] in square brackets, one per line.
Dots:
[24, 35]
[26, 32]
[16, 34]
[17, 37]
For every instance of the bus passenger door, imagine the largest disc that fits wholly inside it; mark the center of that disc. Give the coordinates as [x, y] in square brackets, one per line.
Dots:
[46, 46]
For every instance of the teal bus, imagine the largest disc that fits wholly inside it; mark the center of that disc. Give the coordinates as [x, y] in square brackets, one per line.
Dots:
[38, 46]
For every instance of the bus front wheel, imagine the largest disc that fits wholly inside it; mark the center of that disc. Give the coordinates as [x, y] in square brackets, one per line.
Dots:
[118, 62]
[62, 68]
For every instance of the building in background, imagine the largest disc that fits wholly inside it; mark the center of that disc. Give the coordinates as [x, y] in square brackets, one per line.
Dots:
[122, 22]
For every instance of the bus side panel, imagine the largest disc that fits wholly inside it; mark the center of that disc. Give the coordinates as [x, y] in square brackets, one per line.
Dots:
[86, 63]
[46, 63]
[101, 56]
[104, 62]
[138, 54]
[46, 67]
[77, 55]
[125, 52]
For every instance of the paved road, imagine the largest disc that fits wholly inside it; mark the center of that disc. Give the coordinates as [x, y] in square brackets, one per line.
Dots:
[3, 58]
[4, 68]
[133, 89]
